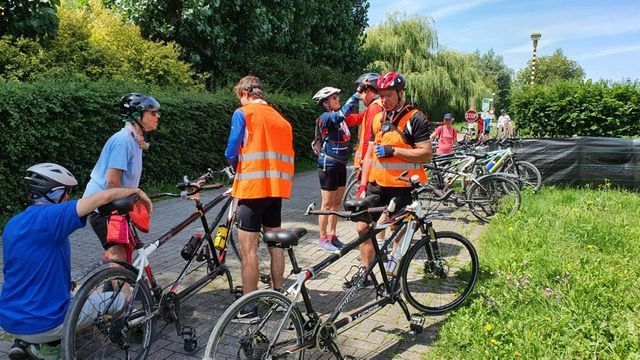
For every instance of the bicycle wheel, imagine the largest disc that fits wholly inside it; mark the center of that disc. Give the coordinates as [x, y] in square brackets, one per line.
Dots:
[233, 340]
[493, 194]
[527, 174]
[100, 324]
[350, 191]
[437, 275]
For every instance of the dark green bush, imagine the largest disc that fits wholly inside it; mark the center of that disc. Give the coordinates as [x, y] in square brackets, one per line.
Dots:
[575, 108]
[68, 121]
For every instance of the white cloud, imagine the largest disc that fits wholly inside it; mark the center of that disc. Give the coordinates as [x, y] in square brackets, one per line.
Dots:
[612, 51]
[459, 7]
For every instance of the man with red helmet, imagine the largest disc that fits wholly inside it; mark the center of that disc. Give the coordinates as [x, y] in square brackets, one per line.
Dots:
[399, 142]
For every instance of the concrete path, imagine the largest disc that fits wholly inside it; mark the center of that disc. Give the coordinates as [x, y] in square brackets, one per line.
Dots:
[385, 335]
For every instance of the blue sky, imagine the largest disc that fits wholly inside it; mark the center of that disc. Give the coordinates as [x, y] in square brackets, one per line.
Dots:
[602, 36]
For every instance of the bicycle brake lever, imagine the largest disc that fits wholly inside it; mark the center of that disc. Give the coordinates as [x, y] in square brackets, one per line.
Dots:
[310, 208]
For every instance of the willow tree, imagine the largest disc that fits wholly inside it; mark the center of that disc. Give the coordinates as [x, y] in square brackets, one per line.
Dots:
[438, 80]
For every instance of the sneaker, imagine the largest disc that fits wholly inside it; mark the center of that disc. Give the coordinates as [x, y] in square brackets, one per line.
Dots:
[326, 244]
[44, 351]
[18, 350]
[368, 284]
[336, 242]
[248, 315]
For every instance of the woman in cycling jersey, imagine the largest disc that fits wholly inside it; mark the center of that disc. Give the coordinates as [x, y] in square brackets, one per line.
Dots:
[334, 135]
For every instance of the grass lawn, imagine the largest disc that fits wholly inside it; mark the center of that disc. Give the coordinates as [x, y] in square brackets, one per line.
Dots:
[558, 280]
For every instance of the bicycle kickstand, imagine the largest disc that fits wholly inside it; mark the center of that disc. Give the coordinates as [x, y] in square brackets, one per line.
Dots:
[235, 291]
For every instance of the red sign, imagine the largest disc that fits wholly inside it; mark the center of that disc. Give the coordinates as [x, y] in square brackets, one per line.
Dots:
[471, 115]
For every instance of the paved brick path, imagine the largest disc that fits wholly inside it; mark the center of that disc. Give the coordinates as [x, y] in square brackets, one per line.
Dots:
[385, 335]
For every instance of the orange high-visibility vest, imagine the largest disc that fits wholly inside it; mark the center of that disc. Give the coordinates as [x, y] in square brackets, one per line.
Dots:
[384, 171]
[371, 111]
[265, 162]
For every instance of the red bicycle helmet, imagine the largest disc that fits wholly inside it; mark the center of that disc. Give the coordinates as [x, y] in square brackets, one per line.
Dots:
[392, 81]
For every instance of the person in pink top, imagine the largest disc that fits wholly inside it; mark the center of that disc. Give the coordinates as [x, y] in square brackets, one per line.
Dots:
[446, 134]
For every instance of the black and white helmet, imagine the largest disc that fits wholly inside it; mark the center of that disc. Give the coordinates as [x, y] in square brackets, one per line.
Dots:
[44, 178]
[367, 80]
[324, 94]
[132, 105]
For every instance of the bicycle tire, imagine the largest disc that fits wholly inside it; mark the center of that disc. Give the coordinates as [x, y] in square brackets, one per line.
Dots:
[527, 174]
[350, 191]
[487, 197]
[426, 281]
[99, 333]
[230, 340]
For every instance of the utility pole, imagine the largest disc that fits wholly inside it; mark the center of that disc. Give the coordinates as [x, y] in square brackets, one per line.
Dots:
[534, 37]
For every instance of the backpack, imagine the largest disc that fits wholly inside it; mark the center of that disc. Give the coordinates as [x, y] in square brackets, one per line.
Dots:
[318, 140]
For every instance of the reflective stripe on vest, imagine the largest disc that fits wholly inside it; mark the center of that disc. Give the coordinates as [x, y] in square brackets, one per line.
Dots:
[395, 165]
[273, 174]
[265, 155]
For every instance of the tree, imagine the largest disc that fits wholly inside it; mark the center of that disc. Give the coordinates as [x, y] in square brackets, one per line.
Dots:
[226, 37]
[28, 18]
[550, 69]
[95, 43]
[497, 74]
[438, 80]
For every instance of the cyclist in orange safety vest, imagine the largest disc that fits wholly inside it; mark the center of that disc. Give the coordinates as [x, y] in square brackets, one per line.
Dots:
[260, 149]
[399, 142]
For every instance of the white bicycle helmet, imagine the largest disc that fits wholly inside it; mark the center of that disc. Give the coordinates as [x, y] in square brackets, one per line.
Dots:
[44, 178]
[324, 93]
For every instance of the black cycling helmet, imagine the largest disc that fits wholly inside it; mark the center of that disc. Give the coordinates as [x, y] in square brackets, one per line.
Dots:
[367, 80]
[44, 178]
[132, 105]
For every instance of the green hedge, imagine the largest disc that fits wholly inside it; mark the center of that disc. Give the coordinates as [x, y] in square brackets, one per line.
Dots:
[577, 108]
[67, 121]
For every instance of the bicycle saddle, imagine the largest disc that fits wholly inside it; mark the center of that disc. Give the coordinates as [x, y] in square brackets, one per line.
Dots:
[361, 204]
[284, 238]
[122, 206]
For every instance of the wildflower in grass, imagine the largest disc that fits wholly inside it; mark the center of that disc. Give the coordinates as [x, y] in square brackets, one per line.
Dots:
[509, 276]
[516, 283]
[525, 282]
[493, 341]
[488, 326]
[589, 246]
[547, 292]
[517, 354]
[525, 262]
[510, 228]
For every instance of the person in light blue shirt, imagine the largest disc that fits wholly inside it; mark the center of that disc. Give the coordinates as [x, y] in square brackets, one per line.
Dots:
[37, 285]
[120, 162]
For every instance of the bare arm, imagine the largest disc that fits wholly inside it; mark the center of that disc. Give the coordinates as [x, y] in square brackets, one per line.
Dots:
[366, 165]
[113, 178]
[86, 205]
[420, 154]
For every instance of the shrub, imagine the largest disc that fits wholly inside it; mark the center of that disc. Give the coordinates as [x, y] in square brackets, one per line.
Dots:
[68, 120]
[574, 108]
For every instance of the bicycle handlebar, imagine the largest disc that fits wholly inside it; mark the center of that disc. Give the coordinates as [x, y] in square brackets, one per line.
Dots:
[197, 185]
[343, 214]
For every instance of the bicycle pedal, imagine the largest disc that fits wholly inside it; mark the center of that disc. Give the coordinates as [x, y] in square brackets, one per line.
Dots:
[237, 292]
[417, 323]
[188, 333]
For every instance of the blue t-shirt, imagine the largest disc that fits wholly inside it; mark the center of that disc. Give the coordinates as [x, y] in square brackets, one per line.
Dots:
[37, 268]
[120, 152]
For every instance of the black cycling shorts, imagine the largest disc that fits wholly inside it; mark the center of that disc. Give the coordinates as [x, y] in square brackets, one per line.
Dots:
[99, 225]
[386, 193]
[252, 214]
[333, 177]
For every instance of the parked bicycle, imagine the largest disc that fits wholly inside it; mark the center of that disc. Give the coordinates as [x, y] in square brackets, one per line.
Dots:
[435, 274]
[105, 328]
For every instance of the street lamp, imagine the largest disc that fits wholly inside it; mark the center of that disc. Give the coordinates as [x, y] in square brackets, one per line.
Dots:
[534, 37]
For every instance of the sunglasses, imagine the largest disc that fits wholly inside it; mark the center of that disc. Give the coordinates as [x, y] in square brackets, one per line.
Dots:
[154, 112]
